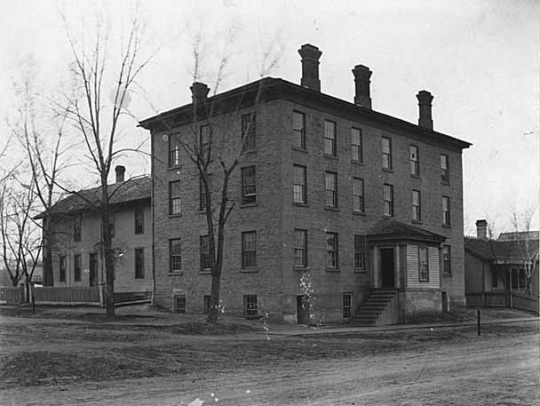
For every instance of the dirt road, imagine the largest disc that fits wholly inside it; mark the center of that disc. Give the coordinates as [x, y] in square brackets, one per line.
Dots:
[401, 368]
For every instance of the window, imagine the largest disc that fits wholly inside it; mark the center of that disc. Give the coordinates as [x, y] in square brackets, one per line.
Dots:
[299, 130]
[413, 159]
[250, 305]
[446, 210]
[175, 206]
[175, 255]
[206, 304]
[249, 185]
[416, 206]
[332, 250]
[77, 267]
[299, 184]
[522, 279]
[77, 228]
[139, 221]
[180, 304]
[423, 266]
[248, 132]
[447, 260]
[249, 249]
[206, 259]
[331, 189]
[300, 248]
[204, 141]
[347, 305]
[386, 153]
[495, 280]
[139, 263]
[62, 269]
[174, 151]
[514, 278]
[356, 145]
[358, 195]
[111, 226]
[329, 138]
[359, 252]
[445, 170]
[202, 192]
[388, 197]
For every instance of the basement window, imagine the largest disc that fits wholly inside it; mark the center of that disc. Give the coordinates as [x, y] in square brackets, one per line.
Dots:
[180, 304]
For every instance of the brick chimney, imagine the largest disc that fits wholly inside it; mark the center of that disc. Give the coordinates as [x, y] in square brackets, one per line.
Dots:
[310, 66]
[199, 93]
[120, 173]
[424, 102]
[481, 229]
[362, 96]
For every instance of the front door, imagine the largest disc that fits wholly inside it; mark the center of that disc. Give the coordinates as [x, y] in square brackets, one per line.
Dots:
[302, 309]
[387, 267]
[93, 269]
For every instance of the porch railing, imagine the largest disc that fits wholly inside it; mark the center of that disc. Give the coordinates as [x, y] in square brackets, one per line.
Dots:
[510, 300]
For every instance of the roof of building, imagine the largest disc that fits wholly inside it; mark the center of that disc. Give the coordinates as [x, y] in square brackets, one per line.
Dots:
[497, 251]
[390, 228]
[130, 191]
[268, 89]
[519, 235]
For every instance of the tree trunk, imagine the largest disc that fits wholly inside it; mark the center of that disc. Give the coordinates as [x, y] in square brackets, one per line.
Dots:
[48, 278]
[213, 312]
[107, 248]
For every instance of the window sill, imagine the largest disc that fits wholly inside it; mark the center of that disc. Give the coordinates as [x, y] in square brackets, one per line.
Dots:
[331, 157]
[389, 170]
[447, 275]
[177, 273]
[174, 168]
[205, 272]
[244, 205]
[303, 150]
[419, 222]
[300, 204]
[416, 176]
[250, 152]
[359, 213]
[360, 270]
[328, 208]
[447, 225]
[333, 270]
[445, 182]
[175, 215]
[361, 163]
[301, 268]
[249, 270]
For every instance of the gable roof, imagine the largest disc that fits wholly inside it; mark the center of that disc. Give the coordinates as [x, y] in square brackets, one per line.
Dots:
[519, 235]
[268, 89]
[130, 191]
[391, 229]
[500, 251]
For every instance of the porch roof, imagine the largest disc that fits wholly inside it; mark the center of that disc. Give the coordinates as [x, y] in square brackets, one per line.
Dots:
[392, 229]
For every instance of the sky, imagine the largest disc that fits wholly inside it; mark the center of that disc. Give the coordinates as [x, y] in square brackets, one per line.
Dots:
[480, 60]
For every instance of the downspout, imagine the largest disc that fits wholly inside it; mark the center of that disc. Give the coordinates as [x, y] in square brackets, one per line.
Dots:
[152, 211]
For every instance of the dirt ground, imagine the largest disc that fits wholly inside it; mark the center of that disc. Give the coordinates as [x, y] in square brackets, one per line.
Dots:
[75, 357]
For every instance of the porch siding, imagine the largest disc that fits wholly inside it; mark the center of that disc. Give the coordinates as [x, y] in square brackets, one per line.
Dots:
[413, 280]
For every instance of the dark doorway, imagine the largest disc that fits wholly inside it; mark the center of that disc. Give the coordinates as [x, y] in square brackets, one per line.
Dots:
[302, 309]
[93, 269]
[387, 267]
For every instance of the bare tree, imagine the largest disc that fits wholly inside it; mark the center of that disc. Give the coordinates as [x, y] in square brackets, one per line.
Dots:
[97, 122]
[526, 243]
[216, 152]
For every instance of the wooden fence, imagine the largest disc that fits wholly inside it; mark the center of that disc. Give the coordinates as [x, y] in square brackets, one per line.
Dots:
[71, 294]
[11, 294]
[504, 299]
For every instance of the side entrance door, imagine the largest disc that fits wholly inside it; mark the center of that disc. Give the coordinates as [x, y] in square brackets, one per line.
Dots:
[387, 267]
[302, 309]
[92, 279]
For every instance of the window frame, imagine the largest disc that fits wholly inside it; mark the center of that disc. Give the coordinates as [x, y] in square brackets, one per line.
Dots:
[447, 259]
[204, 254]
[347, 305]
[330, 138]
[249, 250]
[61, 268]
[251, 197]
[386, 153]
[423, 268]
[358, 199]
[77, 267]
[446, 214]
[416, 205]
[174, 153]
[248, 132]
[300, 251]
[175, 258]
[180, 309]
[77, 228]
[445, 168]
[175, 200]
[357, 148]
[300, 189]
[388, 203]
[359, 252]
[331, 189]
[332, 251]
[139, 263]
[299, 134]
[251, 305]
[139, 221]
[414, 160]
